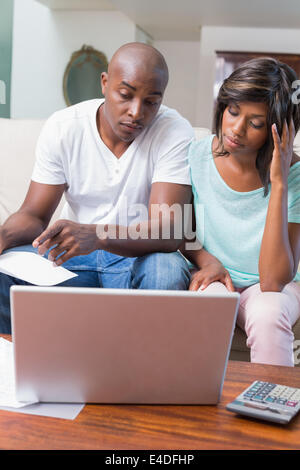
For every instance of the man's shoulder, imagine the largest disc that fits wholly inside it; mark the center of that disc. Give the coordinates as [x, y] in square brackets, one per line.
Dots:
[170, 120]
[70, 122]
[167, 113]
[76, 112]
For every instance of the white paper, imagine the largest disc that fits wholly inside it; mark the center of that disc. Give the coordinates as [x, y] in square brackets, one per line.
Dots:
[33, 268]
[53, 410]
[7, 377]
[8, 399]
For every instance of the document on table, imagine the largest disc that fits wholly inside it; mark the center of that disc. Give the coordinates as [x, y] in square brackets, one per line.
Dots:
[8, 399]
[7, 379]
[33, 268]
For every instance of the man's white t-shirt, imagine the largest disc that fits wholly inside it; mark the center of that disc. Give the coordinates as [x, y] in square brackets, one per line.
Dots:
[102, 188]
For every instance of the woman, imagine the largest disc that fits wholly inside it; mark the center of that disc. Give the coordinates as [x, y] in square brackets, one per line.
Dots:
[246, 178]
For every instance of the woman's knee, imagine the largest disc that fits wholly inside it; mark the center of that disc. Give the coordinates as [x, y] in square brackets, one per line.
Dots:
[215, 287]
[270, 309]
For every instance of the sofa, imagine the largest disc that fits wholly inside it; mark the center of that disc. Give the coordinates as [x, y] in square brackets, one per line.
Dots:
[18, 140]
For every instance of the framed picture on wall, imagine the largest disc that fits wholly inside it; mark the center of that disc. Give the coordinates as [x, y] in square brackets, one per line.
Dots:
[82, 77]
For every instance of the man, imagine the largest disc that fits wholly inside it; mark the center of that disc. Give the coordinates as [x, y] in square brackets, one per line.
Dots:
[109, 156]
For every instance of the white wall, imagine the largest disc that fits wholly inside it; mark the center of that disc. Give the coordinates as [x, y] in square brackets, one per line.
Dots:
[43, 41]
[142, 36]
[2, 92]
[182, 58]
[234, 39]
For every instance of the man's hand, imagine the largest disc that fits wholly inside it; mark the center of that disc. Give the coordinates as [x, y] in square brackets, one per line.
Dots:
[210, 273]
[70, 238]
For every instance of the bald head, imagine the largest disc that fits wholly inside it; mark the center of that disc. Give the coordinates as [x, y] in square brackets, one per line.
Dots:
[141, 59]
[133, 88]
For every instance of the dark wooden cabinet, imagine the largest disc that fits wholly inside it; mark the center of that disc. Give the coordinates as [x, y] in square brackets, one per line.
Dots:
[227, 62]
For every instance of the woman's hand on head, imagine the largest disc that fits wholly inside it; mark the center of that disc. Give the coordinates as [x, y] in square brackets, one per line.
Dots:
[211, 273]
[282, 153]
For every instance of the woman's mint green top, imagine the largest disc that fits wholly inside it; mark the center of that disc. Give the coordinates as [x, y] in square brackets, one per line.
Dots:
[230, 223]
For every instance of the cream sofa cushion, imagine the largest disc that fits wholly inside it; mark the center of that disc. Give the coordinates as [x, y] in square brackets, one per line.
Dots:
[18, 140]
[17, 155]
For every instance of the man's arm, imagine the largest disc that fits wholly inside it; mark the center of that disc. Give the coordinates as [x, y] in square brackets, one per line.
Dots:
[33, 216]
[162, 232]
[164, 229]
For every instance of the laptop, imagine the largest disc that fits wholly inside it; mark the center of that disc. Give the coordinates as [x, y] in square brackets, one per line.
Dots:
[90, 345]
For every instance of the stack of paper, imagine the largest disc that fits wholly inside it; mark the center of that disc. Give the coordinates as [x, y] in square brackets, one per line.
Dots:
[39, 271]
[7, 378]
[8, 399]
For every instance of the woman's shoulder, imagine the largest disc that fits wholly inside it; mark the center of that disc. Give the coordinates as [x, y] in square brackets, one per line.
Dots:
[200, 148]
[294, 175]
[295, 165]
[295, 159]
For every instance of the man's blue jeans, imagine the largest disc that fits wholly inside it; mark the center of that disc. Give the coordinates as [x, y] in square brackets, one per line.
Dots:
[167, 271]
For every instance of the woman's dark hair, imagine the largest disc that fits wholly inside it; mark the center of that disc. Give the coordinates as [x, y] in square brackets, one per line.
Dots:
[263, 80]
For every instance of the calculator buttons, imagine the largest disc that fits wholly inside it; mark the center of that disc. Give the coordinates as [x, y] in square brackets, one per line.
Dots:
[258, 398]
[270, 399]
[281, 401]
[264, 392]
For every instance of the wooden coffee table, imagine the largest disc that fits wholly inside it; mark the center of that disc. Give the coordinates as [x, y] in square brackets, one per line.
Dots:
[160, 427]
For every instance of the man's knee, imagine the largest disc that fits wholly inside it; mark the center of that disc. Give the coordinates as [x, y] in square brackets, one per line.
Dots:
[5, 284]
[164, 271]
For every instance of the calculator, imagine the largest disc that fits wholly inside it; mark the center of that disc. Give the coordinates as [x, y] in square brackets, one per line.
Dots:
[267, 401]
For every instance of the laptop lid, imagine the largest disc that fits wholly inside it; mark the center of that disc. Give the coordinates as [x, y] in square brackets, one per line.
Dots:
[120, 346]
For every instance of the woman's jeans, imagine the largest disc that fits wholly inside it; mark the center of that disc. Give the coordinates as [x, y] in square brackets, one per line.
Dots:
[164, 271]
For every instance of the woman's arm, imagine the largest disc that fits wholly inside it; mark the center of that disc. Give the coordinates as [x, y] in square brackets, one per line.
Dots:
[280, 247]
[208, 267]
